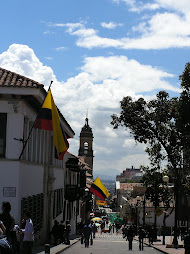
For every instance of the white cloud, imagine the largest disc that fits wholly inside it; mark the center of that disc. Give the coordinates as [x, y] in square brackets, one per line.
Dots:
[61, 49]
[48, 58]
[110, 25]
[182, 6]
[138, 6]
[21, 59]
[161, 31]
[99, 86]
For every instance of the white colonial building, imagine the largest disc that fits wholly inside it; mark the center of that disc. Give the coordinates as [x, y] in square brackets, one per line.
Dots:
[37, 181]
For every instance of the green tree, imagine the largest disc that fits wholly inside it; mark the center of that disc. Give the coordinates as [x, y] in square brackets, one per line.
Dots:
[153, 123]
[163, 124]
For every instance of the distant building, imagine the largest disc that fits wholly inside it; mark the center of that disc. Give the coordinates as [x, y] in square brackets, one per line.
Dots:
[130, 174]
[86, 145]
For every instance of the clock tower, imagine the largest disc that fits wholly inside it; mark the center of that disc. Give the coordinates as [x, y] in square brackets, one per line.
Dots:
[86, 145]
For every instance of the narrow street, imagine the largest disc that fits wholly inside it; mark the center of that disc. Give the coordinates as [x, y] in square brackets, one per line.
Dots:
[108, 244]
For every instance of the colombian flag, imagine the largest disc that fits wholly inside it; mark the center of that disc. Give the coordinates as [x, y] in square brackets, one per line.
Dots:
[48, 119]
[99, 189]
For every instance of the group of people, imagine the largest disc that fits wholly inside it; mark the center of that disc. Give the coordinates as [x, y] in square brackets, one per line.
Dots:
[8, 230]
[88, 233]
[130, 231]
[61, 232]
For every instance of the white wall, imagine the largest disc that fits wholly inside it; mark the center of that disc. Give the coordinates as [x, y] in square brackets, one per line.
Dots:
[10, 178]
[149, 219]
[31, 179]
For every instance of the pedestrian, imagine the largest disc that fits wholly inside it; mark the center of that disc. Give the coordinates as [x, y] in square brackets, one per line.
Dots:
[55, 232]
[4, 244]
[8, 221]
[61, 232]
[87, 233]
[151, 235]
[110, 228]
[130, 235]
[94, 229]
[28, 232]
[113, 226]
[187, 242]
[141, 234]
[67, 232]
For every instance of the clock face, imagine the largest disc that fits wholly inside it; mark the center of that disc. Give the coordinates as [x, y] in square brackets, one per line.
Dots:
[85, 151]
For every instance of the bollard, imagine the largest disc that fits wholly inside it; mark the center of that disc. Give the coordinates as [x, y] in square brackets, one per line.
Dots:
[47, 248]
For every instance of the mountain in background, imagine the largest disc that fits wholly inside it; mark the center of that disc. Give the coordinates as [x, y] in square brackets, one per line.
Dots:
[106, 178]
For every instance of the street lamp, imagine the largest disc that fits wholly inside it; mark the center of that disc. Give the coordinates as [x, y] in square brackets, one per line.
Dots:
[165, 179]
[188, 183]
[137, 204]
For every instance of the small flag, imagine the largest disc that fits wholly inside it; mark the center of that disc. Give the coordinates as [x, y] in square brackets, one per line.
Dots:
[48, 119]
[99, 189]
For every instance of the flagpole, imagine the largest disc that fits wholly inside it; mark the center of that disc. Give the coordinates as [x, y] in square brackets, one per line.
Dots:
[25, 141]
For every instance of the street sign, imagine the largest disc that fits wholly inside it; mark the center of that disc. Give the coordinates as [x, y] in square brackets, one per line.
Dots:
[158, 211]
[101, 202]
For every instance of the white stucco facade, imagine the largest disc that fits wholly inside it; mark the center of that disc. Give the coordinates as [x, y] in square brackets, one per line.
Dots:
[37, 180]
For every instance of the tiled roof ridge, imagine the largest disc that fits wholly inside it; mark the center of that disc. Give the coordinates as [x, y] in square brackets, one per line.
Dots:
[12, 79]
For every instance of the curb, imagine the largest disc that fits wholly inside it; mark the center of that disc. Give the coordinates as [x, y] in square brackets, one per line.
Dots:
[65, 247]
[156, 248]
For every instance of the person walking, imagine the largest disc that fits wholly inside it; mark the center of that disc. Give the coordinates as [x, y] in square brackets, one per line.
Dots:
[67, 232]
[55, 232]
[141, 234]
[61, 232]
[130, 235]
[187, 242]
[151, 235]
[8, 221]
[113, 227]
[87, 233]
[94, 229]
[28, 232]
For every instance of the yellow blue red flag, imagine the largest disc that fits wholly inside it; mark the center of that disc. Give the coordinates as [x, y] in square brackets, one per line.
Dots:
[99, 189]
[48, 119]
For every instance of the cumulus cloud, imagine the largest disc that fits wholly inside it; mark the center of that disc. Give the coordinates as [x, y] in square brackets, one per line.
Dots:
[139, 6]
[21, 59]
[99, 86]
[110, 25]
[167, 27]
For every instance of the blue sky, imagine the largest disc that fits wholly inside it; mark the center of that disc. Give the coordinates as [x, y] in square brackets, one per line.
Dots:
[97, 52]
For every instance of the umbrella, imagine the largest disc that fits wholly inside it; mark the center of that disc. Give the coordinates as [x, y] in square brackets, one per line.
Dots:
[96, 219]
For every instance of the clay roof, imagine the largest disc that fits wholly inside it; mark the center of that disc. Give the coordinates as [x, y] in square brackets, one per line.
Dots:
[11, 79]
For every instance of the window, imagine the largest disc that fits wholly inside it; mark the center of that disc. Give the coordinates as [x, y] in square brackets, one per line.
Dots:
[57, 202]
[85, 147]
[34, 204]
[3, 127]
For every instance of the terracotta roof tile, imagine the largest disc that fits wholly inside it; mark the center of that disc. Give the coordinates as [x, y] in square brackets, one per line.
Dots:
[11, 79]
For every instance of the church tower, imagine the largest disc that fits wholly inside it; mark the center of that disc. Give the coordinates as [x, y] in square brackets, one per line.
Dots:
[86, 144]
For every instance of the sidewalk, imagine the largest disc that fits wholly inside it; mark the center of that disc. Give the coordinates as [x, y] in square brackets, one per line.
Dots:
[58, 248]
[163, 248]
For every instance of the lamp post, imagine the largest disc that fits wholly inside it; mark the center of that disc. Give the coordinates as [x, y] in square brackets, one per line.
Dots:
[188, 182]
[165, 179]
[176, 195]
[171, 225]
[137, 204]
